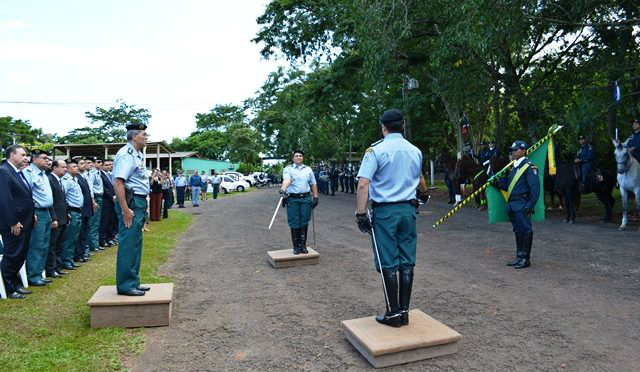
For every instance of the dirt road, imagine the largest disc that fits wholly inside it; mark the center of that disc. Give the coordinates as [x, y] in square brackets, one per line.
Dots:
[576, 309]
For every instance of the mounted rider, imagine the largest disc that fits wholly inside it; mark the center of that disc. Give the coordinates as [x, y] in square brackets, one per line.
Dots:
[633, 142]
[585, 159]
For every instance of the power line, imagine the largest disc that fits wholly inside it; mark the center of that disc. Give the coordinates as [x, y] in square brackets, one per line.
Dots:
[100, 103]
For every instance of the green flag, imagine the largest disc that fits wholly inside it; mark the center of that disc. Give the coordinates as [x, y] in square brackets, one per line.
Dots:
[496, 198]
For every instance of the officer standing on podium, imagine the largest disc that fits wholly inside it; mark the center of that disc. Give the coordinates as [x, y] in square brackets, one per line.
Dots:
[389, 175]
[297, 181]
[131, 186]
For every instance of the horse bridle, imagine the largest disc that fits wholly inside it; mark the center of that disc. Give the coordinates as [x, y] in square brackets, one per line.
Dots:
[626, 160]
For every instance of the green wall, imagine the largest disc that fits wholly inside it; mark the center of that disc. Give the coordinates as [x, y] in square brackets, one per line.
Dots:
[206, 165]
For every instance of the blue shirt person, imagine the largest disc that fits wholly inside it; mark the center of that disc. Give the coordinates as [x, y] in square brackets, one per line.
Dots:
[72, 191]
[180, 180]
[585, 159]
[40, 186]
[389, 175]
[96, 181]
[633, 142]
[130, 174]
[298, 186]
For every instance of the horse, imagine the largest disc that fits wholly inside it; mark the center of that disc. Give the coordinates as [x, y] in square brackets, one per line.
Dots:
[566, 183]
[550, 187]
[467, 169]
[448, 164]
[628, 178]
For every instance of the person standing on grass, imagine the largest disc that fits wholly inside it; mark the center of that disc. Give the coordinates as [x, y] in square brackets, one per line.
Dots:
[180, 183]
[167, 190]
[204, 186]
[132, 188]
[16, 220]
[60, 215]
[75, 201]
[195, 182]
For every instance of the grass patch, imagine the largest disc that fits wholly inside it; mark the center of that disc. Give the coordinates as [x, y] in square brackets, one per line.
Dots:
[50, 330]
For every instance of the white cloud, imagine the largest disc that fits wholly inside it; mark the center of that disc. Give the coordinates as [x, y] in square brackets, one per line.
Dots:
[11, 25]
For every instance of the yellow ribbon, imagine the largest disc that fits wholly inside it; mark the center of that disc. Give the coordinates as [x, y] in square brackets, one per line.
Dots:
[552, 158]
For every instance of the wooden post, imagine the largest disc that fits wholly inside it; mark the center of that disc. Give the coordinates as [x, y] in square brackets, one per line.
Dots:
[68, 153]
[106, 153]
[170, 164]
[158, 156]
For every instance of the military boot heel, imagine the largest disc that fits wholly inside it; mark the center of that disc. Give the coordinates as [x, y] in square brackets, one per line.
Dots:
[392, 316]
[527, 241]
[295, 239]
[518, 250]
[303, 239]
[406, 282]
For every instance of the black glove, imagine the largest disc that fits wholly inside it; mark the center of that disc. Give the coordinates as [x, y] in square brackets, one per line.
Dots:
[363, 223]
[423, 197]
[528, 212]
[285, 198]
[314, 203]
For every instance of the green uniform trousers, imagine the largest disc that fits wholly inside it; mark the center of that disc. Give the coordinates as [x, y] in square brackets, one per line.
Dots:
[93, 240]
[130, 246]
[71, 233]
[395, 229]
[38, 246]
[298, 212]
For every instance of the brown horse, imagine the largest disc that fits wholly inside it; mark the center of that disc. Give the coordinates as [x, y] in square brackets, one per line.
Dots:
[468, 171]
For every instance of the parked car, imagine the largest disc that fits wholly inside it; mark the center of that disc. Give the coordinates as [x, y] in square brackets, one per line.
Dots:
[230, 184]
[241, 177]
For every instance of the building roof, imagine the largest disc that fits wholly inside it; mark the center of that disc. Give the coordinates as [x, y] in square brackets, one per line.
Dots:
[102, 149]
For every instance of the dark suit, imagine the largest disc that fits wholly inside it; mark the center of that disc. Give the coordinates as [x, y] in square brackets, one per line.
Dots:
[59, 214]
[16, 206]
[87, 212]
[108, 210]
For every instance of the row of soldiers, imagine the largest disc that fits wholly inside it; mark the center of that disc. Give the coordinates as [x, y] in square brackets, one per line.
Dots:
[329, 177]
[72, 215]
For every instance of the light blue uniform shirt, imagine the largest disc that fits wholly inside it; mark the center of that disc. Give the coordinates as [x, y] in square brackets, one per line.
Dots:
[301, 178]
[96, 182]
[129, 166]
[40, 186]
[72, 191]
[180, 181]
[394, 167]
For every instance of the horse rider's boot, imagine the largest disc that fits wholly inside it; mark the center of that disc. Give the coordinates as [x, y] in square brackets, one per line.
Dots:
[295, 239]
[303, 239]
[406, 281]
[518, 250]
[392, 317]
[527, 240]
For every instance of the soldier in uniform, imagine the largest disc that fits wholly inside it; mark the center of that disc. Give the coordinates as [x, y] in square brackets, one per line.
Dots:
[585, 157]
[523, 187]
[351, 178]
[75, 202]
[93, 241]
[333, 177]
[633, 142]
[341, 177]
[131, 187]
[43, 205]
[298, 186]
[389, 175]
[107, 210]
[82, 253]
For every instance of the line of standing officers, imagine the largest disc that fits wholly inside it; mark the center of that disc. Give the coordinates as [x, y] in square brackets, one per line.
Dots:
[55, 215]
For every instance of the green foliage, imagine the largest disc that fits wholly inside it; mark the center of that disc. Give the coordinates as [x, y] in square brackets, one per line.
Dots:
[24, 134]
[110, 122]
[246, 168]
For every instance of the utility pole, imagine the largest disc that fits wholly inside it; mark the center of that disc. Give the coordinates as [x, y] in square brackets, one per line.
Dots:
[408, 83]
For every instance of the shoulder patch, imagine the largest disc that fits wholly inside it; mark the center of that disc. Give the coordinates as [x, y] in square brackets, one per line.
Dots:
[130, 151]
[369, 149]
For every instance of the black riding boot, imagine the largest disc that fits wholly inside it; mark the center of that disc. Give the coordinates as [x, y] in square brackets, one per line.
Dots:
[527, 240]
[303, 239]
[295, 239]
[406, 281]
[392, 317]
[518, 250]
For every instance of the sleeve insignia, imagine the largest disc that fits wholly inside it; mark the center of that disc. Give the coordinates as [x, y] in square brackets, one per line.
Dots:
[369, 149]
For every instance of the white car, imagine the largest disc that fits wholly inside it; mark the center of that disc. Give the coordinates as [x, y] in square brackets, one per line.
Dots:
[239, 176]
[230, 184]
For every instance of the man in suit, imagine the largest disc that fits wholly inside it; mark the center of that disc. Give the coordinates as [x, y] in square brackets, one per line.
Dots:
[60, 217]
[43, 204]
[108, 199]
[88, 208]
[16, 219]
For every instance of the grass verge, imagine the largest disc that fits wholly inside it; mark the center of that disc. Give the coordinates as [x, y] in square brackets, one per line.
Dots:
[50, 330]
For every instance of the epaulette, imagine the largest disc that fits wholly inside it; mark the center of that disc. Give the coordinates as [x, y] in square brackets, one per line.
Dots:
[130, 151]
[29, 169]
[370, 148]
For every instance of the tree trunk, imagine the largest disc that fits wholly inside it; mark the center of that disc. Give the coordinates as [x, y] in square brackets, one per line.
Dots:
[454, 117]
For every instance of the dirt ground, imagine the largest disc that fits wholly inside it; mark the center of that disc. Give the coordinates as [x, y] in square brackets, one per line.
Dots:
[576, 309]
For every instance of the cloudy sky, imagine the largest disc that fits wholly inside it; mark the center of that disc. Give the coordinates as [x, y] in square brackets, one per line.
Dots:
[175, 58]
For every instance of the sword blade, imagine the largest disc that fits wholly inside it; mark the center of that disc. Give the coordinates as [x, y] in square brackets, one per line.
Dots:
[275, 213]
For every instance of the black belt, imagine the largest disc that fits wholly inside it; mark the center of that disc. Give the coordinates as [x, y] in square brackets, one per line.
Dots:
[519, 197]
[74, 209]
[300, 196]
[42, 209]
[376, 204]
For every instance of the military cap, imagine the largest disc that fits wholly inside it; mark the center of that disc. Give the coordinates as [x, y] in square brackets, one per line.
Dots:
[37, 152]
[518, 145]
[636, 120]
[582, 136]
[391, 117]
[136, 126]
[71, 160]
[298, 152]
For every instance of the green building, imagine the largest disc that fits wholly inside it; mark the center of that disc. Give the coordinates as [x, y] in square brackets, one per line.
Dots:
[190, 164]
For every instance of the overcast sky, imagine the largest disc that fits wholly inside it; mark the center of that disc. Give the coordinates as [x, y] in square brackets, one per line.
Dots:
[175, 58]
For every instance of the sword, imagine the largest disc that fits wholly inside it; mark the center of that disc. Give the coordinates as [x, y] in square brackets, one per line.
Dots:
[375, 248]
[275, 213]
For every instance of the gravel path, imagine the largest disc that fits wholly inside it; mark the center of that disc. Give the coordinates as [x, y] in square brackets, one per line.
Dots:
[575, 309]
